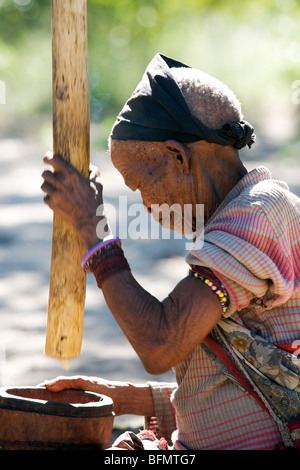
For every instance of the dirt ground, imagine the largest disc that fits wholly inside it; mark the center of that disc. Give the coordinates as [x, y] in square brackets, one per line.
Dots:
[25, 250]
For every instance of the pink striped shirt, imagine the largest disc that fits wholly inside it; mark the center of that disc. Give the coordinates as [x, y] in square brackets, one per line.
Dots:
[252, 243]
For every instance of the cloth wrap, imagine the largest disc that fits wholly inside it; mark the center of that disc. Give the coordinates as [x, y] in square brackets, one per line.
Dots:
[157, 111]
[272, 372]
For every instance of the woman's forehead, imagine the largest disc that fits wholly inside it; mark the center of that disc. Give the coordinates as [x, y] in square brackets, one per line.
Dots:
[134, 154]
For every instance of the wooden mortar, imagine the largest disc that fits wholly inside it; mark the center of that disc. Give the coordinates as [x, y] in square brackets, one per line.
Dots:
[33, 418]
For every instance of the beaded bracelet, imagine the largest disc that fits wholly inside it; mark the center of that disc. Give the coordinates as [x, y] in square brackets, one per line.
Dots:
[105, 259]
[219, 290]
[88, 257]
[108, 261]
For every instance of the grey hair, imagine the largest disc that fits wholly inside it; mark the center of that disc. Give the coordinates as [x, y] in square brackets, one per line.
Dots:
[208, 98]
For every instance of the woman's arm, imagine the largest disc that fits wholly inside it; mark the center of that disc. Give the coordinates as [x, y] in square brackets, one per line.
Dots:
[128, 398]
[162, 333]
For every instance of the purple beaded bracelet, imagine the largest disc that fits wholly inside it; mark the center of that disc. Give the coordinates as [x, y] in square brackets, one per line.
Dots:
[89, 254]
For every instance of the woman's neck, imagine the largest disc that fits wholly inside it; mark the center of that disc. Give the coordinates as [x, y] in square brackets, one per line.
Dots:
[216, 170]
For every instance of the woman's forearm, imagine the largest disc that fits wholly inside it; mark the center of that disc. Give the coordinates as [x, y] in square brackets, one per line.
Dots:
[128, 398]
[135, 400]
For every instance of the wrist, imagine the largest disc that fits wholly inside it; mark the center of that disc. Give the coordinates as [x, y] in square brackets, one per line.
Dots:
[97, 255]
[93, 231]
[133, 399]
[89, 240]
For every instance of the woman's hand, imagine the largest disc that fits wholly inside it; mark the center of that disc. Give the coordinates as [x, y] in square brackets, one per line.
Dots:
[127, 398]
[75, 198]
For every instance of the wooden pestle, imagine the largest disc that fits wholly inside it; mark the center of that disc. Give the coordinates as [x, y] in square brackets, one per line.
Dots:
[71, 140]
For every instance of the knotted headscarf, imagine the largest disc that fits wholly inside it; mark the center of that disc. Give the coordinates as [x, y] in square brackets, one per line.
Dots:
[157, 111]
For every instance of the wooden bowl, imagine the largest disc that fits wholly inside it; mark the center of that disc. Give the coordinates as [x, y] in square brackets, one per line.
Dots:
[35, 418]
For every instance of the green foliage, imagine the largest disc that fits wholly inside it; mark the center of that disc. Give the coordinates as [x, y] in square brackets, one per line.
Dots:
[252, 45]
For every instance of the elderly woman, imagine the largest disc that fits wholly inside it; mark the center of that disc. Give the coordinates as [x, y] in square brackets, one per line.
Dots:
[228, 328]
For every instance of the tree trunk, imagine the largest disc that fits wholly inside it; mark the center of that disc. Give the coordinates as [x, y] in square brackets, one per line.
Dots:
[71, 140]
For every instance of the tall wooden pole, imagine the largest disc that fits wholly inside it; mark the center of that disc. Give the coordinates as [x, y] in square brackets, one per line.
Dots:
[71, 140]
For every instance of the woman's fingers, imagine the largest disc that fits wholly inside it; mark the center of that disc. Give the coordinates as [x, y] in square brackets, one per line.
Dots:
[58, 163]
[60, 383]
[48, 186]
[63, 383]
[53, 180]
[73, 196]
[95, 180]
[94, 172]
[61, 181]
[63, 172]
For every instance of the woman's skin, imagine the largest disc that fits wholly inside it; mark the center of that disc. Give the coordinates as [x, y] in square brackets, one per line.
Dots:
[162, 333]
[128, 398]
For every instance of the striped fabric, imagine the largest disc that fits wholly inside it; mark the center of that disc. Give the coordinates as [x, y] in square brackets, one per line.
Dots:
[252, 243]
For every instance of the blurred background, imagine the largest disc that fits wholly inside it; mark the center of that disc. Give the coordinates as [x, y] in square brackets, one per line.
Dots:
[253, 46]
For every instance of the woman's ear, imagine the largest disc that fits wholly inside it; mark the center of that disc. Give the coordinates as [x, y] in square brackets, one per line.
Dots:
[180, 152]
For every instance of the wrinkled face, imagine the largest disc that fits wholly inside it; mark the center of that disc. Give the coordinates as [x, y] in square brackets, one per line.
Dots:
[159, 177]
